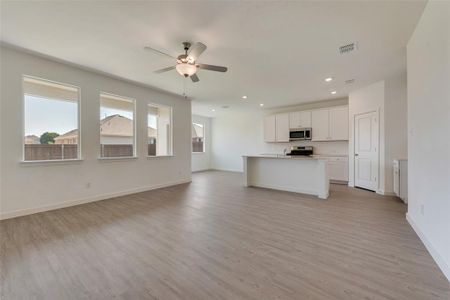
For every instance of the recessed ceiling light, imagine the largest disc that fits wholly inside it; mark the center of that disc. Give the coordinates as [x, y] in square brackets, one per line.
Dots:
[213, 109]
[244, 97]
[328, 79]
[261, 104]
[333, 92]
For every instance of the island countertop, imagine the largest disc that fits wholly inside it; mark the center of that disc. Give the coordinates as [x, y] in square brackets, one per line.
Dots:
[299, 174]
[282, 156]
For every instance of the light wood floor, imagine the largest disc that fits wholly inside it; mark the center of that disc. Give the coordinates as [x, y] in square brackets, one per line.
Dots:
[214, 239]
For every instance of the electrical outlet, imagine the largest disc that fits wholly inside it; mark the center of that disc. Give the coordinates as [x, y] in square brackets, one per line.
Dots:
[422, 209]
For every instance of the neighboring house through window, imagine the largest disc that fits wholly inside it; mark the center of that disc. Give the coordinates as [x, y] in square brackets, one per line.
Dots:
[117, 126]
[50, 111]
[159, 120]
[198, 137]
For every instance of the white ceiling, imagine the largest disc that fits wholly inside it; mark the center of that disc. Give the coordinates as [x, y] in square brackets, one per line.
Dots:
[278, 53]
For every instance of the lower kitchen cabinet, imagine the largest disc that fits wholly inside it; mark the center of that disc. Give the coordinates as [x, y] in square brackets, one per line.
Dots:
[337, 167]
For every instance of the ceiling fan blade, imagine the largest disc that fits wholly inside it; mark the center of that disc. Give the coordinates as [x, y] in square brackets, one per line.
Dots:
[212, 68]
[195, 78]
[196, 50]
[159, 52]
[164, 70]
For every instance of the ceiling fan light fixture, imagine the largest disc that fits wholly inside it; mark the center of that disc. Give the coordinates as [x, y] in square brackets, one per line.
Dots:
[186, 69]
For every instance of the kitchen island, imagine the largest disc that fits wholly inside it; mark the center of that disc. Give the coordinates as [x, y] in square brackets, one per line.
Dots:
[299, 174]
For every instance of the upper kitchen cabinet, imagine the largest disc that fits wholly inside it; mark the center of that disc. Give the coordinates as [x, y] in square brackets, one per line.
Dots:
[339, 123]
[300, 119]
[282, 127]
[276, 128]
[269, 129]
[330, 124]
[320, 125]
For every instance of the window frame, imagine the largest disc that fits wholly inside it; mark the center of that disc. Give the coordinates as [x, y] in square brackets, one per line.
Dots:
[125, 98]
[79, 135]
[170, 152]
[204, 138]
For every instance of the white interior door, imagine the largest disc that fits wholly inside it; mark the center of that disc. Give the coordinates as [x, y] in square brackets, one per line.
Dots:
[366, 151]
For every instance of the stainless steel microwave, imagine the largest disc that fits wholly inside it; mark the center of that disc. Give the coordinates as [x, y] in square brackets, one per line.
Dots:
[300, 134]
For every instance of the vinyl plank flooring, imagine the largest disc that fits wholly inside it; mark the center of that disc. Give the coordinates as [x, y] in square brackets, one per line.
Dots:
[215, 239]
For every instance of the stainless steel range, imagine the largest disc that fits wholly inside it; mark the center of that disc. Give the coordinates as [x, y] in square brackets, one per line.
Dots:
[301, 150]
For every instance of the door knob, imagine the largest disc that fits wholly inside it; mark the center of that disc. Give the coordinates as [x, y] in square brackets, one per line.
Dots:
[356, 154]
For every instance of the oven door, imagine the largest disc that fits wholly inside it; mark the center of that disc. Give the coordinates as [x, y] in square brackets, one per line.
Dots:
[296, 135]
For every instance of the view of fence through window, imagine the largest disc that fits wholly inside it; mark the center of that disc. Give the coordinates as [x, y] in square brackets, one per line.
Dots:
[116, 126]
[159, 118]
[198, 137]
[51, 120]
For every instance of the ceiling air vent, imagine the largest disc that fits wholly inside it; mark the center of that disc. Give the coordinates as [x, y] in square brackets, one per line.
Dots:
[349, 81]
[348, 48]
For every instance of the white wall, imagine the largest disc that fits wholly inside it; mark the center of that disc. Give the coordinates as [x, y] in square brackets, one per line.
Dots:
[202, 161]
[388, 99]
[364, 100]
[429, 131]
[30, 187]
[395, 120]
[236, 134]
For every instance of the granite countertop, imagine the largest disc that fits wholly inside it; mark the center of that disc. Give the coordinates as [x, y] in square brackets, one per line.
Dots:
[282, 156]
[330, 155]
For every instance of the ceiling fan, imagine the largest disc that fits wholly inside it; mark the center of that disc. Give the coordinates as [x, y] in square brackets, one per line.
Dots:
[187, 63]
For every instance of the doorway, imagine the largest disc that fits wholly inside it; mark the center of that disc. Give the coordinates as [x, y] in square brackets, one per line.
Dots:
[366, 150]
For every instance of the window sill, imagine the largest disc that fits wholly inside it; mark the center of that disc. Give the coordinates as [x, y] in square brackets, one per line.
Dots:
[120, 158]
[160, 156]
[50, 162]
[196, 153]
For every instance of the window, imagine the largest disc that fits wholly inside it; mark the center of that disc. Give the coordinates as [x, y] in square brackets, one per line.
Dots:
[198, 138]
[117, 126]
[50, 120]
[159, 120]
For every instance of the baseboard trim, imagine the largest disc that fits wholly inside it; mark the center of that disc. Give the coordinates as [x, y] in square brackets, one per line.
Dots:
[442, 264]
[227, 170]
[202, 170]
[34, 210]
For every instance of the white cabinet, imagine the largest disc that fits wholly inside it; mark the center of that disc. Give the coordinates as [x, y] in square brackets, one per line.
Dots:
[330, 124]
[401, 179]
[338, 168]
[282, 127]
[339, 123]
[320, 125]
[269, 128]
[276, 128]
[300, 119]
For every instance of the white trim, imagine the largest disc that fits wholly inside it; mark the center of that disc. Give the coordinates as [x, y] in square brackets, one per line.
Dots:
[431, 249]
[116, 97]
[50, 162]
[117, 158]
[170, 150]
[78, 88]
[29, 211]
[227, 170]
[202, 170]
[159, 156]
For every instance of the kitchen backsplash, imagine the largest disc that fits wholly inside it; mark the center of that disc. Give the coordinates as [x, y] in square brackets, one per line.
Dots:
[327, 148]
